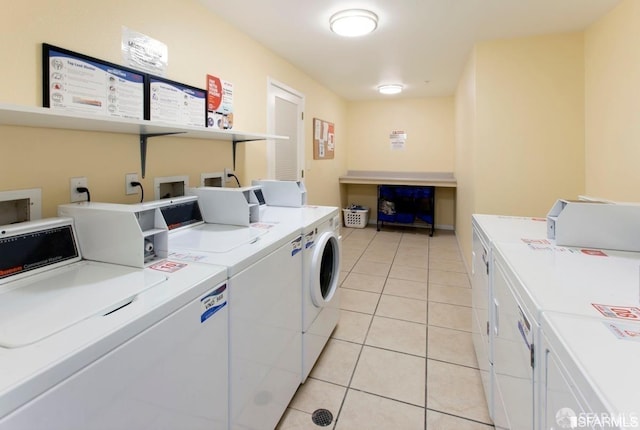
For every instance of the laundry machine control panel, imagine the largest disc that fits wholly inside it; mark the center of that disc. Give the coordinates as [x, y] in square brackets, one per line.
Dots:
[35, 246]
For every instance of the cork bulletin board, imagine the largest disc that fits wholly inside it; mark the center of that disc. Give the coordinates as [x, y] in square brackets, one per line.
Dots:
[324, 144]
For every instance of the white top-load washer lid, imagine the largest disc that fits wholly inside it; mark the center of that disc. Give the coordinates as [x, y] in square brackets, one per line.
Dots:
[281, 214]
[36, 307]
[571, 280]
[499, 228]
[235, 247]
[44, 288]
[602, 357]
[217, 238]
[232, 246]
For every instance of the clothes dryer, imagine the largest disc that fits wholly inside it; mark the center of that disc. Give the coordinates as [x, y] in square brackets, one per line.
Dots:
[532, 278]
[488, 229]
[88, 345]
[322, 248]
[588, 369]
[320, 281]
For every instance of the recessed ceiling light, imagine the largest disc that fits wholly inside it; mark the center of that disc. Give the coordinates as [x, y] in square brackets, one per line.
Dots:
[390, 89]
[353, 22]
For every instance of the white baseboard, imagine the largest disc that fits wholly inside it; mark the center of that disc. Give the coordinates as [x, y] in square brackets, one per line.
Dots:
[444, 227]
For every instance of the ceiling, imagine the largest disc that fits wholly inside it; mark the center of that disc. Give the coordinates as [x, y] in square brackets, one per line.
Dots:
[422, 44]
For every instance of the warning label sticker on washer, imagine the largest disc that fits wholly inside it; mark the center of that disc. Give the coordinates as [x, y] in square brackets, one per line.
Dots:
[536, 241]
[168, 266]
[625, 331]
[594, 252]
[188, 256]
[296, 245]
[262, 225]
[549, 247]
[309, 239]
[540, 245]
[620, 312]
[213, 302]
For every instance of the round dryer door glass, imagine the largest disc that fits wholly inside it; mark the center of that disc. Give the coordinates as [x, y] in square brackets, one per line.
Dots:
[325, 269]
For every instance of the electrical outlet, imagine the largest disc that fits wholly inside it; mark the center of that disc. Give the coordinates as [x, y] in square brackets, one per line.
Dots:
[227, 172]
[128, 179]
[74, 183]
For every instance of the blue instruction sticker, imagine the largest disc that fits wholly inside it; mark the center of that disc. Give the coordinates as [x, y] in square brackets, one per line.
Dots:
[296, 246]
[309, 239]
[213, 302]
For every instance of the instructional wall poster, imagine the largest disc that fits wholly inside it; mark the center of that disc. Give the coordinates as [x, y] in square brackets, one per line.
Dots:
[398, 139]
[173, 102]
[219, 103]
[324, 144]
[77, 83]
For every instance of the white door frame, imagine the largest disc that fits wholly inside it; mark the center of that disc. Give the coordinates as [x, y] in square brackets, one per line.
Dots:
[278, 89]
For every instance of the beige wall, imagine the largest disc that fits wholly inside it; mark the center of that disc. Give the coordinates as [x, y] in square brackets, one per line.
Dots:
[527, 130]
[47, 158]
[429, 124]
[530, 123]
[612, 87]
[465, 154]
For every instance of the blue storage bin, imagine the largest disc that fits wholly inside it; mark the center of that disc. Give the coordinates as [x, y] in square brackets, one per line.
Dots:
[406, 204]
[424, 193]
[428, 218]
[405, 218]
[404, 200]
[387, 192]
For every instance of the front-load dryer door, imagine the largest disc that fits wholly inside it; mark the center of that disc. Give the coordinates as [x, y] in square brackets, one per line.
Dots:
[325, 268]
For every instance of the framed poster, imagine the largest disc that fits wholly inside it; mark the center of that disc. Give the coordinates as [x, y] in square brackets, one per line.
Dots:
[176, 103]
[78, 83]
[324, 144]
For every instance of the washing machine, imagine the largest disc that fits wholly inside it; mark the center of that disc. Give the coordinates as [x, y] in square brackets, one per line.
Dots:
[589, 371]
[486, 230]
[320, 281]
[264, 271]
[89, 345]
[320, 229]
[529, 279]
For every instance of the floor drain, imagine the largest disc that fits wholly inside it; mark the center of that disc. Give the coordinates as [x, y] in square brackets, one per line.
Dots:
[322, 417]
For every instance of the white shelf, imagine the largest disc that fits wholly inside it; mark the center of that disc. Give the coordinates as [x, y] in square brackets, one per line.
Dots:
[436, 179]
[151, 232]
[27, 116]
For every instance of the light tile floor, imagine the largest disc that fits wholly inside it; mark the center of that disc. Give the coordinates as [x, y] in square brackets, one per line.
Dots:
[401, 356]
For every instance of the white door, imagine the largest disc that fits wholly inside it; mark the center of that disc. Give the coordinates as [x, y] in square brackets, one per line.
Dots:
[285, 117]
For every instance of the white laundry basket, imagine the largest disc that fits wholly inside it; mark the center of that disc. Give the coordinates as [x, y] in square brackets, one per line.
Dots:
[356, 216]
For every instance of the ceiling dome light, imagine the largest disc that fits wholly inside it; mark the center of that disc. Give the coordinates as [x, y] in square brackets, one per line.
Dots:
[390, 89]
[353, 22]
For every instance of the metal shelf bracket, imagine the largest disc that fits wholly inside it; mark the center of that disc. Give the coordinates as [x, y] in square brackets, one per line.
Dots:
[143, 147]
